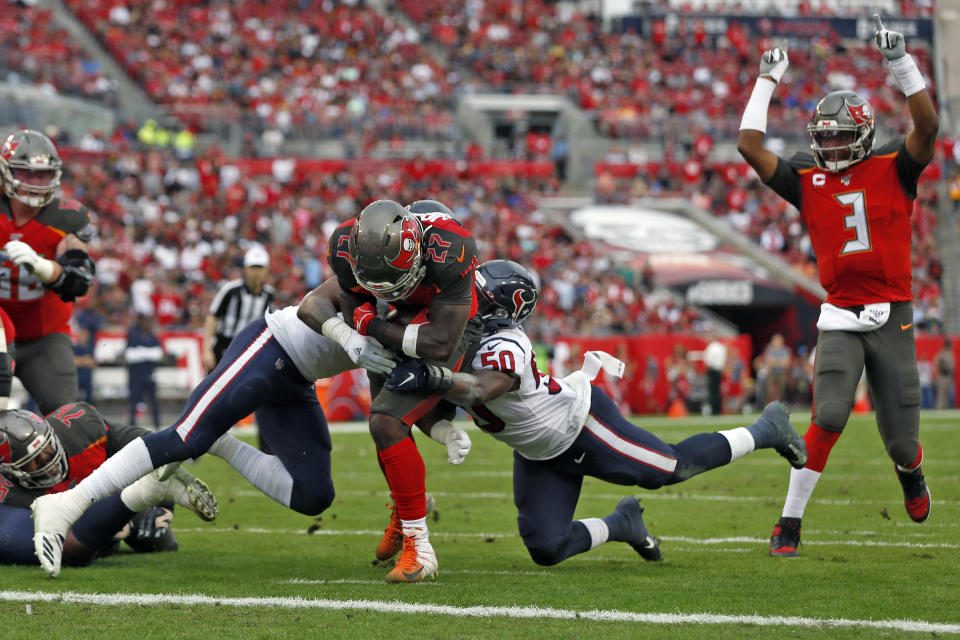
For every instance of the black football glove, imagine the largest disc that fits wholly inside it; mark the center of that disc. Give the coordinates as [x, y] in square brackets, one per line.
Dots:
[414, 375]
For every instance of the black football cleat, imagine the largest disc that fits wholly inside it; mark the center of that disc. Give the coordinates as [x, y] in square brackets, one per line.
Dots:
[636, 534]
[785, 541]
[916, 496]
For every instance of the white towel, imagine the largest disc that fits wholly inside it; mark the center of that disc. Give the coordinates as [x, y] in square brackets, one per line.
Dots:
[872, 317]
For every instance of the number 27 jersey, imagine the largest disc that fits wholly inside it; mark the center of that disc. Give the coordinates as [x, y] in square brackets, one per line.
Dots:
[543, 416]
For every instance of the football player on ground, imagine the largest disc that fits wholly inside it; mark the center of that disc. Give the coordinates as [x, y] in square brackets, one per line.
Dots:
[44, 245]
[269, 369]
[563, 430]
[856, 202]
[420, 261]
[47, 455]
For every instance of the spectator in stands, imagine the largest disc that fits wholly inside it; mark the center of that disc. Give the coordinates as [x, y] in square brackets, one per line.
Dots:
[142, 355]
[777, 358]
[83, 357]
[715, 357]
[945, 366]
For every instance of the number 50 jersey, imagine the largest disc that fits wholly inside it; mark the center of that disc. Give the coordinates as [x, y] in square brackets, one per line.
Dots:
[541, 417]
[859, 222]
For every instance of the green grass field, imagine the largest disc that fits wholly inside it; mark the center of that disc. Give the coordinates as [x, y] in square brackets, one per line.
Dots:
[262, 571]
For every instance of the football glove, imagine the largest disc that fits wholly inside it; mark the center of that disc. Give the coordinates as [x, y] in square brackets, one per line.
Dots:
[368, 354]
[774, 62]
[413, 375]
[362, 316]
[456, 440]
[22, 254]
[890, 43]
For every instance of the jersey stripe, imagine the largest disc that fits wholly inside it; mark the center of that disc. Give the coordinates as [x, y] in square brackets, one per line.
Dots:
[632, 450]
[186, 426]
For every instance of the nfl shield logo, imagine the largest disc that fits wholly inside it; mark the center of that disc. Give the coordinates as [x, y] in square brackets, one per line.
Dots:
[845, 180]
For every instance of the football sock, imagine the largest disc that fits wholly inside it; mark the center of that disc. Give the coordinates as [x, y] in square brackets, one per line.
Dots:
[741, 440]
[98, 524]
[265, 472]
[600, 528]
[407, 479]
[804, 481]
[703, 452]
[119, 470]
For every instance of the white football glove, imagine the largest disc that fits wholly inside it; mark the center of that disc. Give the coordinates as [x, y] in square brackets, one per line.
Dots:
[774, 63]
[367, 353]
[890, 43]
[456, 440]
[22, 254]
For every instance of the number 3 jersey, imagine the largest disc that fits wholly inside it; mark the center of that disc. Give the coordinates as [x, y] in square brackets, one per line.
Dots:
[35, 310]
[859, 221]
[542, 416]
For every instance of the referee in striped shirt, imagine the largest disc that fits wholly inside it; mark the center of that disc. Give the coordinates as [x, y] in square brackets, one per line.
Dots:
[238, 303]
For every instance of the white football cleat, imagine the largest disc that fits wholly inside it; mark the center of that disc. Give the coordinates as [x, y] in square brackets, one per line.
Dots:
[52, 516]
[180, 487]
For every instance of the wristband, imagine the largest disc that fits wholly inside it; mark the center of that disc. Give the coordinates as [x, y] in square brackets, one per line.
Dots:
[410, 340]
[438, 378]
[441, 430]
[376, 328]
[755, 113]
[337, 330]
[907, 76]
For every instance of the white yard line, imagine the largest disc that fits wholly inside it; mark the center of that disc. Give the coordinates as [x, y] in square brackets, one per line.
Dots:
[518, 612]
[735, 540]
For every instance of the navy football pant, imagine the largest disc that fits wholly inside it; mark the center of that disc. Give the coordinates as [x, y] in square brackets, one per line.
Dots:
[95, 530]
[609, 448]
[257, 376]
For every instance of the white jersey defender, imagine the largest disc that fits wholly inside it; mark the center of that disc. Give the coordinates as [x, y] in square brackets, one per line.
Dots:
[540, 418]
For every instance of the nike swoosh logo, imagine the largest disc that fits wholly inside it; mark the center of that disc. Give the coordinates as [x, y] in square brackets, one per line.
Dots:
[463, 250]
[904, 327]
[409, 377]
[414, 575]
[580, 459]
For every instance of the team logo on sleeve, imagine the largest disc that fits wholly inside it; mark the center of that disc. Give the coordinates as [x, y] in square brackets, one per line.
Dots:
[409, 246]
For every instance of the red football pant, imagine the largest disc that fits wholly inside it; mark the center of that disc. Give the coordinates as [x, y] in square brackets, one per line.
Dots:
[407, 478]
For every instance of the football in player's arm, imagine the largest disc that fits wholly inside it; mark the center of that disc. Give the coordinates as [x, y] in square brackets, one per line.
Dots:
[420, 261]
[564, 430]
[856, 202]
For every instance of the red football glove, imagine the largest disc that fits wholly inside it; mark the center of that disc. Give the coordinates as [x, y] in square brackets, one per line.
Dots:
[362, 316]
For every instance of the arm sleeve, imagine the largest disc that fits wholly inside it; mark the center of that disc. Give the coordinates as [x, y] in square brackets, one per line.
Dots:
[120, 435]
[786, 182]
[219, 300]
[908, 169]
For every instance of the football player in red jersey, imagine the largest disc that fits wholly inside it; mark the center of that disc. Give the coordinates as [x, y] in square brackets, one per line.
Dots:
[856, 202]
[49, 455]
[420, 261]
[45, 265]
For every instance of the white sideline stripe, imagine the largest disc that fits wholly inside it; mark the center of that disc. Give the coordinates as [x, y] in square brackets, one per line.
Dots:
[225, 378]
[473, 534]
[528, 612]
[632, 450]
[645, 495]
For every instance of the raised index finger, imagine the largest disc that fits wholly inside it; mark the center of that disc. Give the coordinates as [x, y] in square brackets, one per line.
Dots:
[877, 22]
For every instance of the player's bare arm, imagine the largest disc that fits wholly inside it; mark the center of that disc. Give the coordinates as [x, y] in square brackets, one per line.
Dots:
[922, 138]
[753, 126]
[434, 340]
[321, 304]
